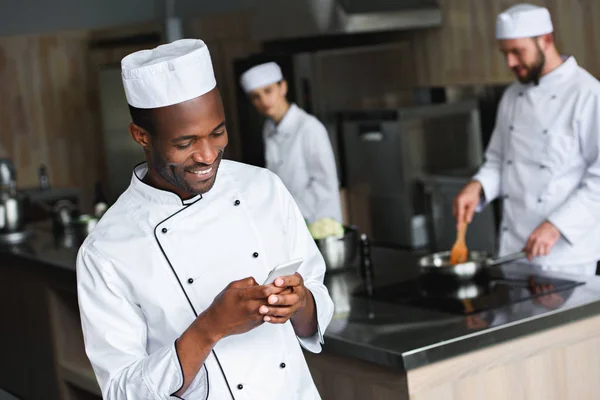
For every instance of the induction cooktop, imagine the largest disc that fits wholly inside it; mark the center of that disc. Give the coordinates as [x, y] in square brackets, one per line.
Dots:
[486, 291]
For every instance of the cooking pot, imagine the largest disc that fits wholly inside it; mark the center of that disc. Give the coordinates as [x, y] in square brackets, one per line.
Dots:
[439, 264]
[339, 252]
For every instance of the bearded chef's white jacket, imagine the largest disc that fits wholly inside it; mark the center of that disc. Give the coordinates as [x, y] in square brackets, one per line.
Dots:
[299, 151]
[153, 263]
[544, 161]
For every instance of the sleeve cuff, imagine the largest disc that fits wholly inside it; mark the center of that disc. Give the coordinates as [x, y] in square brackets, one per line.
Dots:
[163, 375]
[490, 187]
[324, 311]
[573, 221]
[162, 372]
[198, 389]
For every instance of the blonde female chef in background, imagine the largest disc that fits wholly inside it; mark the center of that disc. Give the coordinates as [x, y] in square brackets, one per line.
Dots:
[543, 159]
[297, 147]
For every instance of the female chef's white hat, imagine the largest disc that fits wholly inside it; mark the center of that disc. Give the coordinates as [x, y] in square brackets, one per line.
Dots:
[260, 76]
[523, 21]
[168, 74]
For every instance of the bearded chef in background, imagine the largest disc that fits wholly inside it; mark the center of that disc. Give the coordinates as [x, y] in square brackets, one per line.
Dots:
[297, 146]
[167, 281]
[543, 158]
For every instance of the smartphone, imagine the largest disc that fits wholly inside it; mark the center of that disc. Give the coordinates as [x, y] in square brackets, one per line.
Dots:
[286, 269]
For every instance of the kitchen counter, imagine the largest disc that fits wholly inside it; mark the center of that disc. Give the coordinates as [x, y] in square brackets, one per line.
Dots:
[45, 249]
[383, 333]
[395, 337]
[405, 338]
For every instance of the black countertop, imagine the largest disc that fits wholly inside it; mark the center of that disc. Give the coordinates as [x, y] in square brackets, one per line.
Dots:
[397, 336]
[46, 248]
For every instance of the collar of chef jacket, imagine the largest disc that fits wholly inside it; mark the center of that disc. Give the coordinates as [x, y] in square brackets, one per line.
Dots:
[153, 194]
[288, 124]
[558, 75]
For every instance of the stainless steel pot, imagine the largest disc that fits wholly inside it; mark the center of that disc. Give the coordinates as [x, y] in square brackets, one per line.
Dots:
[439, 264]
[11, 213]
[339, 252]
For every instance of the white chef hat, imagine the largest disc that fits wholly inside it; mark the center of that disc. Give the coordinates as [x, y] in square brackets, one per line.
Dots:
[260, 75]
[522, 21]
[169, 74]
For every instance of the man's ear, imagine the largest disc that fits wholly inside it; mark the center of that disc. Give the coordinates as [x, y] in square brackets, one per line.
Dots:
[284, 87]
[545, 41]
[140, 135]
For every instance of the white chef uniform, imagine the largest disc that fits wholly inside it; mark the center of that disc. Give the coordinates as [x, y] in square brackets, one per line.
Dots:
[544, 161]
[154, 262]
[299, 151]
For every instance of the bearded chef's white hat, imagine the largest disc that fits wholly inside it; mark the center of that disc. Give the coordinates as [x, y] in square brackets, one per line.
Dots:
[169, 74]
[523, 21]
[260, 75]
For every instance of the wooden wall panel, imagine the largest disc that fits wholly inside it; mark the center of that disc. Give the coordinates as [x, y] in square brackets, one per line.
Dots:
[464, 49]
[47, 112]
[49, 101]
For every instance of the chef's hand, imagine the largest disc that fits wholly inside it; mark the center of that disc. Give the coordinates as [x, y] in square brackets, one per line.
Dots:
[542, 240]
[236, 309]
[466, 202]
[282, 306]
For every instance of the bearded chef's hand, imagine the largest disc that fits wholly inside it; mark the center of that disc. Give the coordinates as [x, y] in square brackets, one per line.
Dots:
[542, 240]
[466, 202]
[295, 303]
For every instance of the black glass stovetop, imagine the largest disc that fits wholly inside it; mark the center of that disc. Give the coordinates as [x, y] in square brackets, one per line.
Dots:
[486, 291]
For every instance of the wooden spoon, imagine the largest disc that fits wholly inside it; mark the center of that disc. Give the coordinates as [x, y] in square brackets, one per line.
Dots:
[459, 252]
[468, 306]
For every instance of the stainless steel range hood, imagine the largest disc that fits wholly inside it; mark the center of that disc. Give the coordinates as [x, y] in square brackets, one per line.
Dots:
[291, 19]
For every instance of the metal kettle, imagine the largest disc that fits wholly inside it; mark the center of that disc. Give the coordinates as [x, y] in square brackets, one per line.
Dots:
[11, 203]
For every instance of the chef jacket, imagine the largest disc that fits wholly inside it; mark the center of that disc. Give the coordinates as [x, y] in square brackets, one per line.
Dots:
[299, 151]
[543, 160]
[154, 262]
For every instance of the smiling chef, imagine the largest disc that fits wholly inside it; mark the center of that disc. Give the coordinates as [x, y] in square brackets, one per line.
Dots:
[297, 146]
[543, 159]
[167, 281]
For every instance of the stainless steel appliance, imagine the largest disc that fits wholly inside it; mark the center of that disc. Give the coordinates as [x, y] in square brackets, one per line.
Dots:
[278, 19]
[325, 83]
[440, 190]
[122, 152]
[387, 153]
[11, 204]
